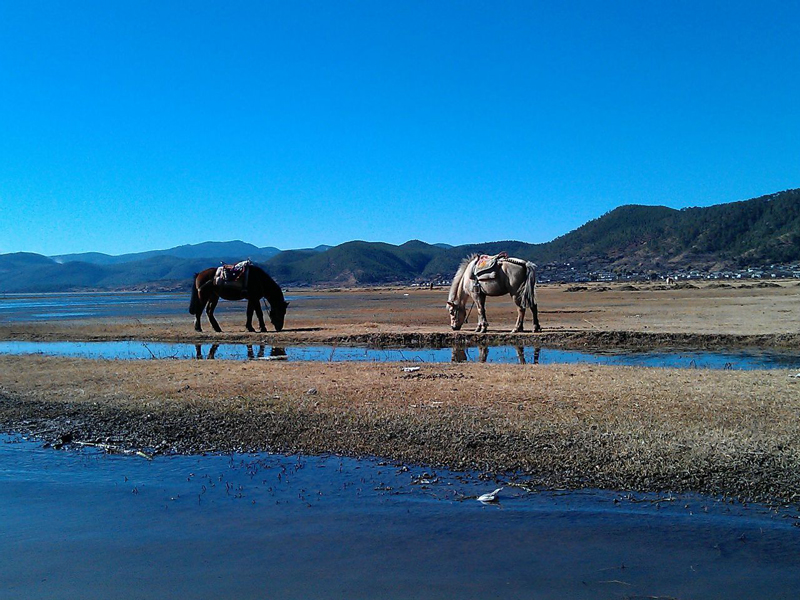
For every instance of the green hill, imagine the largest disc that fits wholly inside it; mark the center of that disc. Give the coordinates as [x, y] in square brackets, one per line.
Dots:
[756, 232]
[354, 263]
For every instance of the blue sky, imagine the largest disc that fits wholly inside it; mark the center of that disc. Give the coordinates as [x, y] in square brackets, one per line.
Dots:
[128, 126]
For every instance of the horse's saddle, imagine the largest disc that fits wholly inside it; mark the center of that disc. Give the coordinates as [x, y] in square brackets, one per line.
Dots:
[233, 275]
[485, 265]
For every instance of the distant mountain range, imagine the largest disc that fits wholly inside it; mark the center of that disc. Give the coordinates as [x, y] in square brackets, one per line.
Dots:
[755, 232]
[189, 251]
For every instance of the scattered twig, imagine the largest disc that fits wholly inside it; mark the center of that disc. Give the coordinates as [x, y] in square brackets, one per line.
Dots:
[112, 449]
[148, 349]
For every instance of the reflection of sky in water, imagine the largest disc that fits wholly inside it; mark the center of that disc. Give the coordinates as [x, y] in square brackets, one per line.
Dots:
[49, 307]
[256, 525]
[126, 350]
[29, 307]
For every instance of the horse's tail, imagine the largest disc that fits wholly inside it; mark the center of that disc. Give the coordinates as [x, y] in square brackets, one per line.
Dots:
[194, 303]
[529, 290]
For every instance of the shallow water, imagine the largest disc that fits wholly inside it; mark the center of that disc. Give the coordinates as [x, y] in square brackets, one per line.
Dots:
[78, 306]
[136, 350]
[91, 525]
[51, 307]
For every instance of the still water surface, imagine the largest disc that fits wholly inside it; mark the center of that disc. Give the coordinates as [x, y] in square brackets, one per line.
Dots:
[78, 306]
[89, 525]
[56, 307]
[137, 350]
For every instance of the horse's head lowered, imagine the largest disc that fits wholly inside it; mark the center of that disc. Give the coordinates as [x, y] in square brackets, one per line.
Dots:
[277, 313]
[458, 314]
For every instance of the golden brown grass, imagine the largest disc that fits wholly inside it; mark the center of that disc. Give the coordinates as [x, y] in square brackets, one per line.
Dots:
[322, 316]
[722, 432]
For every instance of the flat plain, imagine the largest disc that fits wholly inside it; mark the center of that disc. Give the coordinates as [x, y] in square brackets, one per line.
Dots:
[731, 433]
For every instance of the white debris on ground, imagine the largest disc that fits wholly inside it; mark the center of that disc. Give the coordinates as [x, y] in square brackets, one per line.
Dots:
[490, 497]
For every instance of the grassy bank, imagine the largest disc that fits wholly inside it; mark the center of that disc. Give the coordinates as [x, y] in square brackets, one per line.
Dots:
[718, 432]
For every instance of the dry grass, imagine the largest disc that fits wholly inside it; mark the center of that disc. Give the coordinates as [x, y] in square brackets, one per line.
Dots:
[322, 316]
[734, 433]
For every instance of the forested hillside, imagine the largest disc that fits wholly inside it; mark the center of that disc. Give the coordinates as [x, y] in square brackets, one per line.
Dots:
[755, 232]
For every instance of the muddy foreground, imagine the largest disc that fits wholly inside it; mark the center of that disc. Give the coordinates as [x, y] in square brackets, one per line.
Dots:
[730, 433]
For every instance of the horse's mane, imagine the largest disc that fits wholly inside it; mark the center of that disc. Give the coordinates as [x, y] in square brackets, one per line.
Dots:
[256, 267]
[273, 290]
[456, 285]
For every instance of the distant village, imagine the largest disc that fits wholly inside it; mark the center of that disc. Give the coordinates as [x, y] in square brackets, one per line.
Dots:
[565, 272]
[571, 273]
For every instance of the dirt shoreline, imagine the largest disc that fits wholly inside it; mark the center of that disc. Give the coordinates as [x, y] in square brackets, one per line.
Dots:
[579, 339]
[564, 426]
[734, 434]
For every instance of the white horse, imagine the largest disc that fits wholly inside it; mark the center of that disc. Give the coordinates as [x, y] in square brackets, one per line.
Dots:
[480, 276]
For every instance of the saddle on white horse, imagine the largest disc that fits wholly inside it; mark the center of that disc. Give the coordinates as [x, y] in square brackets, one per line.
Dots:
[486, 267]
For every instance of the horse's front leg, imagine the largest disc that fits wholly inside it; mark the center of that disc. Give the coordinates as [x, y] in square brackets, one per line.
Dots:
[260, 315]
[520, 324]
[483, 324]
[250, 310]
[212, 304]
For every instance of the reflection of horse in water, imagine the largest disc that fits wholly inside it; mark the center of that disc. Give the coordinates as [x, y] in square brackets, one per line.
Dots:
[212, 352]
[251, 354]
[480, 276]
[460, 354]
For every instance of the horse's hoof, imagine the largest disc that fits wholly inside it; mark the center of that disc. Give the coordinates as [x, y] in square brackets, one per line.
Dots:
[537, 329]
[217, 329]
[263, 330]
[198, 329]
[517, 330]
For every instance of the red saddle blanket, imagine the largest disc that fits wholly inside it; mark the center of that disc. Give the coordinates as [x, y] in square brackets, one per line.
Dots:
[487, 263]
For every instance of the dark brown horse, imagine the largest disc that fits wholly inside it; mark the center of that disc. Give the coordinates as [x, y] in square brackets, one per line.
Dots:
[205, 295]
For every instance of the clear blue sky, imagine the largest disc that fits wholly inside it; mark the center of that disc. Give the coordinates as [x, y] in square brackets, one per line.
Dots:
[128, 126]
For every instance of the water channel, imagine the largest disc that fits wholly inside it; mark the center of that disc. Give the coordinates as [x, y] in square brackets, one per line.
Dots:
[82, 523]
[137, 350]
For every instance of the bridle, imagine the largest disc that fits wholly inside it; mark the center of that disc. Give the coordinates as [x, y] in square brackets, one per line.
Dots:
[457, 308]
[466, 319]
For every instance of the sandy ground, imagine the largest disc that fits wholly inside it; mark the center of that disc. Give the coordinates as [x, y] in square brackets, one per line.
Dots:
[704, 316]
[723, 432]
